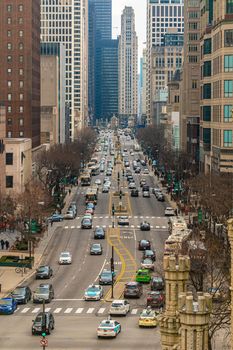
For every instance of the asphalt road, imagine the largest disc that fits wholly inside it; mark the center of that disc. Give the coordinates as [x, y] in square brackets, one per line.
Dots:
[77, 320]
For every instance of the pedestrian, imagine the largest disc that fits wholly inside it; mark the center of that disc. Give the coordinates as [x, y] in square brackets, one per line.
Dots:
[69, 191]
[51, 223]
[176, 212]
[2, 243]
[7, 244]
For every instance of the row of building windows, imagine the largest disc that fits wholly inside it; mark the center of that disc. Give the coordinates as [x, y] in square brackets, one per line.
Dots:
[9, 97]
[214, 114]
[10, 8]
[10, 134]
[21, 84]
[227, 137]
[228, 89]
[20, 121]
[10, 46]
[9, 20]
[159, 11]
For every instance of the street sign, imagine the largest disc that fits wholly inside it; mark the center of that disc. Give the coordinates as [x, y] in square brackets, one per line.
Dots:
[44, 342]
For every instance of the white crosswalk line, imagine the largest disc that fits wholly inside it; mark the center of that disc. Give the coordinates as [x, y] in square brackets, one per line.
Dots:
[157, 226]
[78, 226]
[95, 217]
[109, 226]
[90, 310]
[101, 310]
[66, 227]
[26, 309]
[132, 226]
[106, 217]
[79, 310]
[130, 217]
[141, 217]
[153, 217]
[47, 309]
[72, 227]
[37, 309]
[138, 226]
[134, 311]
[147, 217]
[104, 226]
[101, 217]
[164, 226]
[152, 227]
[68, 310]
[57, 310]
[135, 217]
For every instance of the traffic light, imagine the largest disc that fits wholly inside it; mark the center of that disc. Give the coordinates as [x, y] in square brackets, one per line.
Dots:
[118, 177]
[113, 209]
[43, 328]
[123, 172]
[120, 195]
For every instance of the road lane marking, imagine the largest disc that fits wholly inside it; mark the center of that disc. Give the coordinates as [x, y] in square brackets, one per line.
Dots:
[66, 227]
[90, 310]
[79, 310]
[164, 226]
[157, 226]
[47, 309]
[68, 299]
[72, 227]
[132, 226]
[37, 309]
[101, 310]
[57, 310]
[68, 310]
[26, 309]
[134, 311]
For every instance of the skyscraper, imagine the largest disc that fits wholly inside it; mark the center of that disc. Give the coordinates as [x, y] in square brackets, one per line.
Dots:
[128, 65]
[66, 21]
[100, 28]
[161, 16]
[20, 67]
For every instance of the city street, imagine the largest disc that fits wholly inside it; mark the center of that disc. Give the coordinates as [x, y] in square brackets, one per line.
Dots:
[76, 320]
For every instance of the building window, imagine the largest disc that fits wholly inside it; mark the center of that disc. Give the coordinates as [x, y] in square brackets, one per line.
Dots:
[228, 37]
[9, 20]
[228, 88]
[21, 97]
[20, 8]
[20, 46]
[228, 63]
[9, 33]
[9, 70]
[9, 8]
[9, 121]
[20, 20]
[207, 47]
[207, 91]
[9, 46]
[9, 109]
[9, 181]
[20, 33]
[21, 134]
[207, 69]
[9, 97]
[20, 71]
[20, 59]
[229, 8]
[20, 109]
[206, 113]
[9, 134]
[228, 113]
[194, 84]
[227, 137]
[9, 158]
[21, 84]
[21, 121]
[9, 83]
[9, 59]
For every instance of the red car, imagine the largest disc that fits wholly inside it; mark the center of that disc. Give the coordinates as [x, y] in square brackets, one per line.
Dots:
[155, 299]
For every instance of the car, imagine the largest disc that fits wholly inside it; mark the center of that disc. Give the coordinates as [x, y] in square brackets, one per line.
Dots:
[99, 233]
[87, 216]
[133, 290]
[155, 299]
[123, 220]
[156, 190]
[65, 258]
[44, 271]
[90, 206]
[145, 226]
[96, 249]
[109, 172]
[107, 184]
[105, 189]
[86, 223]
[44, 292]
[56, 218]
[148, 318]
[7, 306]
[132, 185]
[73, 206]
[93, 292]
[143, 276]
[147, 263]
[160, 197]
[157, 283]
[146, 188]
[98, 182]
[149, 254]
[106, 277]
[132, 153]
[119, 307]
[169, 212]
[134, 193]
[70, 214]
[89, 211]
[144, 244]
[43, 318]
[106, 179]
[146, 171]
[137, 170]
[146, 194]
[21, 294]
[142, 182]
[143, 162]
[108, 328]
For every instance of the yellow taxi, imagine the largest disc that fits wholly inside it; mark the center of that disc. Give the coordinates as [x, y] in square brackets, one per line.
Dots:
[148, 318]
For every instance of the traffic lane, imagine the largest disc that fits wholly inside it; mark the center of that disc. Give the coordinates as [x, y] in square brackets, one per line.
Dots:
[71, 332]
[102, 206]
[146, 206]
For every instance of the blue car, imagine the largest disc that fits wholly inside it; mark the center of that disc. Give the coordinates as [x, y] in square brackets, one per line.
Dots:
[7, 306]
[56, 218]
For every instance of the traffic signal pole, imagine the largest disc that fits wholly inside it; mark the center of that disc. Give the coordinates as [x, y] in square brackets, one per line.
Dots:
[112, 271]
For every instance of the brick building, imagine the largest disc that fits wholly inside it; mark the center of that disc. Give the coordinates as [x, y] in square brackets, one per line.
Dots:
[20, 67]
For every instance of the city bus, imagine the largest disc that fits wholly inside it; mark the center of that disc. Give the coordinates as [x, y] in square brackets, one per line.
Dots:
[91, 195]
[95, 170]
[85, 178]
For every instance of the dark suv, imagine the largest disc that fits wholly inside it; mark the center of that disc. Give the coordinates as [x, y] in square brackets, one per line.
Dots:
[22, 294]
[133, 290]
[39, 321]
[157, 283]
[99, 233]
[134, 193]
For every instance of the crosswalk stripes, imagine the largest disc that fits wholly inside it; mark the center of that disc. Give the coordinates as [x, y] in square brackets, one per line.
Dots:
[134, 311]
[47, 309]
[101, 310]
[79, 310]
[68, 310]
[90, 310]
[37, 309]
[26, 309]
[57, 310]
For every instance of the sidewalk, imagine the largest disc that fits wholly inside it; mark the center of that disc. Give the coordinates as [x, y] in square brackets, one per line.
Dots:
[9, 279]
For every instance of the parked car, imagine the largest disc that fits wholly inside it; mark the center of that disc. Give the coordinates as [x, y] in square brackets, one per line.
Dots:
[56, 218]
[119, 307]
[155, 299]
[43, 292]
[70, 214]
[96, 249]
[144, 244]
[44, 271]
[99, 233]
[145, 226]
[133, 290]
[41, 319]
[22, 294]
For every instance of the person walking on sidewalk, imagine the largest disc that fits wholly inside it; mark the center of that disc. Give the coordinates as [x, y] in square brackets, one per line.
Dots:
[2, 244]
[7, 244]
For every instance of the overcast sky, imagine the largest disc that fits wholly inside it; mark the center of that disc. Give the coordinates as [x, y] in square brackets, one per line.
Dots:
[139, 7]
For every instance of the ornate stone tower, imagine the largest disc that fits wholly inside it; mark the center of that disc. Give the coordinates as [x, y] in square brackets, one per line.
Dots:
[176, 277]
[194, 321]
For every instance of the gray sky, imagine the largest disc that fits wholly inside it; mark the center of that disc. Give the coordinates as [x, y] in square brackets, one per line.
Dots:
[139, 7]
